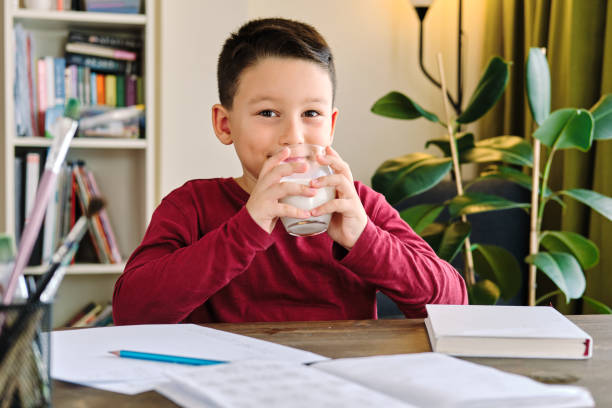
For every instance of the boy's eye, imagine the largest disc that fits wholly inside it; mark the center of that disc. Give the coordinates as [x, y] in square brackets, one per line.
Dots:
[311, 114]
[267, 113]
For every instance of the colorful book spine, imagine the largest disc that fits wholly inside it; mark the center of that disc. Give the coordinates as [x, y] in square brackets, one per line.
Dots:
[93, 86]
[50, 81]
[130, 90]
[140, 91]
[31, 85]
[120, 91]
[94, 229]
[59, 65]
[100, 88]
[101, 51]
[110, 86]
[104, 65]
[42, 96]
[112, 240]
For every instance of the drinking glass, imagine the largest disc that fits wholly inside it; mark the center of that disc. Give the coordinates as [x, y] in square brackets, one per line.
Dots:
[304, 227]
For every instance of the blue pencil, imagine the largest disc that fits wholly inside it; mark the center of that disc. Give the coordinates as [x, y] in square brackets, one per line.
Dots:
[165, 358]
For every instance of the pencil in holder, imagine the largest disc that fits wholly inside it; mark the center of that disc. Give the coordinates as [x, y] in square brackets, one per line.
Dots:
[25, 355]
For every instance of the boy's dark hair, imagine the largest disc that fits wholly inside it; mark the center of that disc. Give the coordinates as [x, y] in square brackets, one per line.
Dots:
[270, 37]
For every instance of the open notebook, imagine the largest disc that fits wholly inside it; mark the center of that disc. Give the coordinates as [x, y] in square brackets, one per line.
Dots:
[404, 380]
[505, 331]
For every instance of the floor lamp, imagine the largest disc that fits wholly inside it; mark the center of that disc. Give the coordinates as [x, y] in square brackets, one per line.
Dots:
[421, 7]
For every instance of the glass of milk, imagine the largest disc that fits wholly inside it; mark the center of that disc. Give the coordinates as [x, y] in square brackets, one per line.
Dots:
[304, 227]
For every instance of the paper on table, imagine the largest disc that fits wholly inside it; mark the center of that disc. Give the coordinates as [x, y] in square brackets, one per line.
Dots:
[269, 384]
[82, 356]
[438, 380]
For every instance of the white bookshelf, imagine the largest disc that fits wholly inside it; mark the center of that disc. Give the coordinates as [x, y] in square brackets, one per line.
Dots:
[124, 168]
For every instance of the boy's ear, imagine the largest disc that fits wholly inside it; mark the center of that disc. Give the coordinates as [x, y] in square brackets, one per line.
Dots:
[334, 116]
[221, 125]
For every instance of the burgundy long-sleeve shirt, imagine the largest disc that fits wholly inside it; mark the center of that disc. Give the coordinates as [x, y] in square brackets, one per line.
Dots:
[204, 259]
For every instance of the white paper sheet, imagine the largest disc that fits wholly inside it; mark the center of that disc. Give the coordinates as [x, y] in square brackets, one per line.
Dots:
[438, 380]
[82, 356]
[269, 384]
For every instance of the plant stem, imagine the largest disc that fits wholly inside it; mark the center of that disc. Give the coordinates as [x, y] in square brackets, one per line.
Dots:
[534, 231]
[544, 200]
[549, 294]
[469, 260]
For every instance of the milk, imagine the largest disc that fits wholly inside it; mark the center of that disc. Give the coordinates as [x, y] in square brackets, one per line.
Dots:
[311, 225]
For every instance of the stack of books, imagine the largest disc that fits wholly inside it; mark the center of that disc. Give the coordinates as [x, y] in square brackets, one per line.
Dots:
[92, 315]
[76, 185]
[101, 70]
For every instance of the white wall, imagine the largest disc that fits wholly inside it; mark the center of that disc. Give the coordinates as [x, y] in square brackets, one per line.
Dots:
[375, 45]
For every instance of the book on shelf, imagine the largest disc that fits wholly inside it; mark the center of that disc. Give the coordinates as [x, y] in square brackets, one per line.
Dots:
[32, 176]
[106, 40]
[93, 314]
[103, 65]
[43, 85]
[505, 331]
[101, 51]
[76, 185]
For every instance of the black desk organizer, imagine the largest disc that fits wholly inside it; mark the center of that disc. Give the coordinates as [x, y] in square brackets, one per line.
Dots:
[25, 355]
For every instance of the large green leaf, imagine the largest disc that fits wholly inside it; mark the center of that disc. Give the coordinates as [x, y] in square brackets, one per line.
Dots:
[567, 129]
[399, 106]
[583, 249]
[420, 216]
[509, 174]
[489, 89]
[508, 149]
[598, 306]
[483, 292]
[563, 269]
[598, 202]
[408, 175]
[471, 203]
[500, 266]
[432, 234]
[465, 140]
[452, 240]
[602, 115]
[538, 85]
[446, 240]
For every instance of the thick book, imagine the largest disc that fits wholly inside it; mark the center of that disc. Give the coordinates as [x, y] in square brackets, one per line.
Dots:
[505, 331]
[100, 51]
[101, 64]
[128, 43]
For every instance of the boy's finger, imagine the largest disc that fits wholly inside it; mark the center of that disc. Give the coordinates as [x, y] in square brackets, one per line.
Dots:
[337, 164]
[286, 210]
[330, 207]
[288, 188]
[344, 187]
[274, 161]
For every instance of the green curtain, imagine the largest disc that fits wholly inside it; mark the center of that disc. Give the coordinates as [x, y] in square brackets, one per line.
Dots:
[577, 35]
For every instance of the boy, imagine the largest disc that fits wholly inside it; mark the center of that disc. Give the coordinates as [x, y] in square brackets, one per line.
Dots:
[215, 251]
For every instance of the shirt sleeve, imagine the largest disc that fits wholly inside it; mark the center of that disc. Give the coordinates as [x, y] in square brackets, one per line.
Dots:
[174, 270]
[393, 258]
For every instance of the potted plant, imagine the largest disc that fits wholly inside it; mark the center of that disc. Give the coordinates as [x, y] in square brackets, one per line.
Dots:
[562, 255]
[491, 272]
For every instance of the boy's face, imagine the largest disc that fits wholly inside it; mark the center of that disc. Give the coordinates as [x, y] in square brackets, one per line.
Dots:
[279, 101]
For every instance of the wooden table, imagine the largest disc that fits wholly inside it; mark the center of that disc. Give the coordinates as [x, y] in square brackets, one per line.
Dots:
[352, 338]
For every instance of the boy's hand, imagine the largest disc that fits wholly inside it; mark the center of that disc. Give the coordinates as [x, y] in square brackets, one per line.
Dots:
[349, 218]
[263, 204]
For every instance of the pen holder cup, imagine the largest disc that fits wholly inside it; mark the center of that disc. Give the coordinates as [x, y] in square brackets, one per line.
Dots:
[25, 355]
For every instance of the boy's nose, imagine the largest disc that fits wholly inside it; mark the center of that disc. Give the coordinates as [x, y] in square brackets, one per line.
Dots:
[292, 134]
